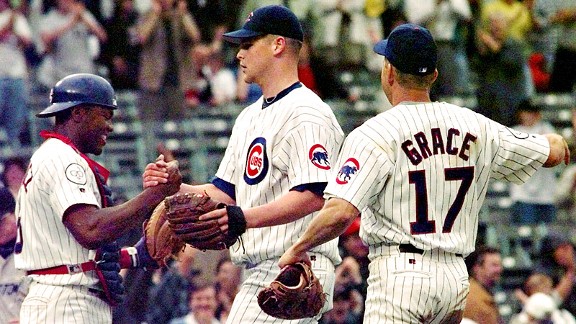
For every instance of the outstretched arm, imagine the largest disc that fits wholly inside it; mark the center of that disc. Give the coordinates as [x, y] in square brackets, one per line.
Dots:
[334, 218]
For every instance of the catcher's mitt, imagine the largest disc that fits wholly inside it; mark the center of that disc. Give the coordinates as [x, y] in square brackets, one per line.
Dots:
[183, 212]
[161, 243]
[295, 293]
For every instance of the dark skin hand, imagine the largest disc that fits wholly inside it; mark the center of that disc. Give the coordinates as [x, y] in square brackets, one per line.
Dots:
[92, 226]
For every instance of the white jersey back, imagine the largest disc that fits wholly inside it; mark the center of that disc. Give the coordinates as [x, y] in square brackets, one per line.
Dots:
[57, 178]
[419, 173]
[272, 150]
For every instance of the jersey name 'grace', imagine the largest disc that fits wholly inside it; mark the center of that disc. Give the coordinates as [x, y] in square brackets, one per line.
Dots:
[423, 147]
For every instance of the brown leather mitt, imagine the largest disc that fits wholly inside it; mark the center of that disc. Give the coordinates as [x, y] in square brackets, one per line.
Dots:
[295, 293]
[184, 211]
[161, 242]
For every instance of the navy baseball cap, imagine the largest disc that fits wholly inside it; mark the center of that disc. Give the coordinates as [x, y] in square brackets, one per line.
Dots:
[268, 20]
[7, 202]
[410, 48]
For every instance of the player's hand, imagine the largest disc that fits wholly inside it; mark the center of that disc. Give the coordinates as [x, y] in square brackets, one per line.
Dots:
[155, 173]
[174, 178]
[291, 257]
[221, 215]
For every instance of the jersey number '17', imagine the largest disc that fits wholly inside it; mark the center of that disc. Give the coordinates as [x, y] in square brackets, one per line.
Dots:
[423, 225]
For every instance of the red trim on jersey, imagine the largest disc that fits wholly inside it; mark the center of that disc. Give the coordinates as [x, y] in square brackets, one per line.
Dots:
[65, 269]
[94, 166]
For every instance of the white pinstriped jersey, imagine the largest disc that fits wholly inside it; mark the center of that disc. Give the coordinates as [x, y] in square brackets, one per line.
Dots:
[272, 150]
[419, 173]
[57, 178]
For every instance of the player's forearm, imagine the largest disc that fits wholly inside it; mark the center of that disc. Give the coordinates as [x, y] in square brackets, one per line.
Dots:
[290, 207]
[334, 218]
[558, 151]
[209, 189]
[93, 227]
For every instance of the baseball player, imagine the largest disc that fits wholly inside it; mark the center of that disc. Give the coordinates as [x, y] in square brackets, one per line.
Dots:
[10, 277]
[418, 174]
[277, 162]
[64, 210]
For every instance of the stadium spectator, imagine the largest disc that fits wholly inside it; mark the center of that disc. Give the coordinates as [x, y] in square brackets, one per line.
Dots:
[541, 308]
[202, 305]
[121, 53]
[166, 33]
[13, 173]
[542, 283]
[221, 80]
[341, 33]
[67, 32]
[557, 260]
[228, 278]
[10, 279]
[343, 311]
[502, 78]
[531, 204]
[485, 268]
[351, 245]
[515, 13]
[15, 39]
[169, 299]
[562, 14]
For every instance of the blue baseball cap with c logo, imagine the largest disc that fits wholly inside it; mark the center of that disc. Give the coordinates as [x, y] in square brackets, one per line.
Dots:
[268, 20]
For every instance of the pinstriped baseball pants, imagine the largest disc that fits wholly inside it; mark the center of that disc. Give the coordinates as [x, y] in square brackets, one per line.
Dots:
[416, 288]
[63, 304]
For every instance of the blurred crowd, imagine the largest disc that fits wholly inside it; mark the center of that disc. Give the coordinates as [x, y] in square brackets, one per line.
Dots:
[171, 54]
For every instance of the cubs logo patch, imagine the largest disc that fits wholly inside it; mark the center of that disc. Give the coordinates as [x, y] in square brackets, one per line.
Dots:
[350, 167]
[76, 174]
[319, 157]
[256, 162]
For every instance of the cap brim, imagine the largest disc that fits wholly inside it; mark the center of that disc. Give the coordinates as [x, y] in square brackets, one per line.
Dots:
[380, 47]
[237, 36]
[55, 108]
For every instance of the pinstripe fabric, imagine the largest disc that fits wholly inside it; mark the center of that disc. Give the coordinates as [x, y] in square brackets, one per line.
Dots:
[63, 304]
[57, 178]
[245, 308]
[419, 173]
[383, 191]
[271, 150]
[290, 128]
[413, 288]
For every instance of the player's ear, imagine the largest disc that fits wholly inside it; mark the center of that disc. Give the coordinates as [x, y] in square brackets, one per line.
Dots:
[435, 75]
[279, 44]
[391, 74]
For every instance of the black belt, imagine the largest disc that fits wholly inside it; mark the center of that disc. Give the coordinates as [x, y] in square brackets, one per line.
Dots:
[409, 248]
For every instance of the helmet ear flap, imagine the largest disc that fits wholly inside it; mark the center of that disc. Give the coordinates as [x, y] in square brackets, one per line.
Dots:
[77, 89]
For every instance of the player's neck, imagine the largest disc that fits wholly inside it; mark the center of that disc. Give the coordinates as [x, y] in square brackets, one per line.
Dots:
[277, 82]
[410, 95]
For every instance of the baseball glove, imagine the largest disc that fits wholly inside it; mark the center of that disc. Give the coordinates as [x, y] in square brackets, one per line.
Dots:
[183, 212]
[161, 242]
[295, 293]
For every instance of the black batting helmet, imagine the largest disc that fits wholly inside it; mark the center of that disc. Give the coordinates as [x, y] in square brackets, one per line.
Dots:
[78, 89]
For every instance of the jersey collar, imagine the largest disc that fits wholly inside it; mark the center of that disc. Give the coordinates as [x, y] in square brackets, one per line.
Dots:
[269, 101]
